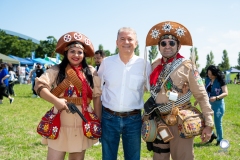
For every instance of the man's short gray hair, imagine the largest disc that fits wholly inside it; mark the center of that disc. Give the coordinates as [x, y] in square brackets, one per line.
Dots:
[127, 29]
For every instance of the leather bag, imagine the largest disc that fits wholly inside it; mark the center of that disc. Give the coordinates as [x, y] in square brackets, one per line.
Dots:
[190, 122]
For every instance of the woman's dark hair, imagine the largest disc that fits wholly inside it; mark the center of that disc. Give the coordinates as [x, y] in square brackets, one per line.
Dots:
[3, 65]
[65, 62]
[217, 73]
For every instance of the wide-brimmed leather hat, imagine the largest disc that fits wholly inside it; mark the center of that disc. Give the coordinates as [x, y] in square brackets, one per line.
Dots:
[168, 28]
[70, 37]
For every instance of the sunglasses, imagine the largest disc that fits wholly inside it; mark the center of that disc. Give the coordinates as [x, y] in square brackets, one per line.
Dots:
[164, 43]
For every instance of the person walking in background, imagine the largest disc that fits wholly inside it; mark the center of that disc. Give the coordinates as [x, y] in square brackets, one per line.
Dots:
[98, 58]
[17, 72]
[39, 71]
[32, 76]
[4, 83]
[238, 77]
[27, 72]
[122, 97]
[12, 80]
[172, 82]
[217, 89]
[20, 74]
[81, 85]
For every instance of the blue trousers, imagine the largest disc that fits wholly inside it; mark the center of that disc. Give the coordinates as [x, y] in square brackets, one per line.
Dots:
[114, 127]
[219, 109]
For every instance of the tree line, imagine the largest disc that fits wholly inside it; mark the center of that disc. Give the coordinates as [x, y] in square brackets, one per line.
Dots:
[23, 48]
[13, 45]
[223, 65]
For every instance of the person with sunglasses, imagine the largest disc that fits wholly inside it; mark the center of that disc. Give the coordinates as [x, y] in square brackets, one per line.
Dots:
[172, 82]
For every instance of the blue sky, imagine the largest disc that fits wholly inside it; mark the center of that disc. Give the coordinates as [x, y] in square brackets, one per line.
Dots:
[214, 25]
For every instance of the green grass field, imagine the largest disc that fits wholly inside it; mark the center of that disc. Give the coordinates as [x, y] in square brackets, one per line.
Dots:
[20, 141]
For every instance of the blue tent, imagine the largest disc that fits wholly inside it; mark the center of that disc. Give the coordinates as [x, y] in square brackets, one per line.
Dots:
[22, 61]
[42, 61]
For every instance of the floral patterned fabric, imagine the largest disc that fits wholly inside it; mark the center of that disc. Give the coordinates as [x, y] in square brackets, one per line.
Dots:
[71, 137]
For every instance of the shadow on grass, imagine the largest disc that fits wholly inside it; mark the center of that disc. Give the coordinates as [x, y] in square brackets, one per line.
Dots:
[202, 144]
[38, 144]
[25, 96]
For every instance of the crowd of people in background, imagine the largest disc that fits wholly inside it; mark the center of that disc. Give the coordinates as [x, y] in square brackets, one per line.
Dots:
[26, 74]
[10, 75]
[4, 83]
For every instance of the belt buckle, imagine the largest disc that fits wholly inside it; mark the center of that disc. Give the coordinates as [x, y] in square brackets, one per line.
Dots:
[123, 114]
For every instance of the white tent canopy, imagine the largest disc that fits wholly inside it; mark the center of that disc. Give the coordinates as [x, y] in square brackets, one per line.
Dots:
[233, 70]
[54, 60]
[7, 59]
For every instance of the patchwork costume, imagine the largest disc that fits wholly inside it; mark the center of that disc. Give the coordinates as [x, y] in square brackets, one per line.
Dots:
[171, 102]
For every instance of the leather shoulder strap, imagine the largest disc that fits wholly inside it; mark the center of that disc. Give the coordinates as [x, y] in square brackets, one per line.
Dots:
[71, 78]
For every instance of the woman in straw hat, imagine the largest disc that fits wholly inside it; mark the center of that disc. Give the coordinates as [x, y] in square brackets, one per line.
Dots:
[172, 82]
[75, 47]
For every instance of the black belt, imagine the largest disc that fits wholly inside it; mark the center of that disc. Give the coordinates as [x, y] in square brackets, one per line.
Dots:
[156, 149]
[160, 150]
[123, 114]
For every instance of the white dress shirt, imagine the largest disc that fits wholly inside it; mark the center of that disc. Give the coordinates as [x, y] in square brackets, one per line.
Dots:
[124, 83]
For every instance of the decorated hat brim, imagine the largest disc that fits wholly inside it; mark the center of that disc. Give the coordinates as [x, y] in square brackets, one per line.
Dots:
[71, 37]
[170, 28]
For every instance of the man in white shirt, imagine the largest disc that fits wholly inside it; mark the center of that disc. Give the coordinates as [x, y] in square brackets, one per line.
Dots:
[125, 76]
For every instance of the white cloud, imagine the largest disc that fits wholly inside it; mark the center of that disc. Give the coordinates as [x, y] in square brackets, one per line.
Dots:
[235, 35]
[216, 43]
[201, 29]
[213, 40]
[234, 6]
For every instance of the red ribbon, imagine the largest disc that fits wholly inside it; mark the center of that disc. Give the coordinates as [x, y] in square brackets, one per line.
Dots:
[86, 90]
